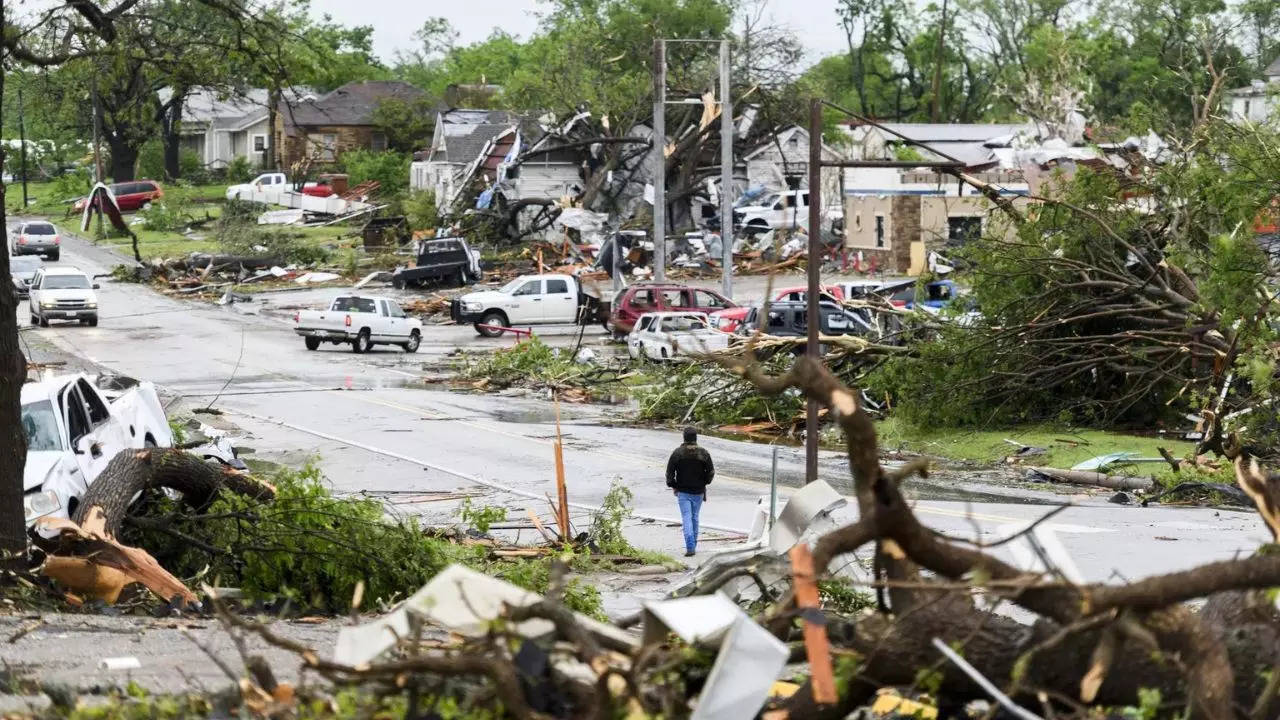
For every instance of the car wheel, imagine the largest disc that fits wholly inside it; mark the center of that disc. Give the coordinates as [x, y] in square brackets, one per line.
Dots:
[93, 321]
[35, 319]
[146, 205]
[53, 257]
[664, 354]
[44, 321]
[415, 339]
[491, 319]
[361, 344]
[312, 343]
[397, 282]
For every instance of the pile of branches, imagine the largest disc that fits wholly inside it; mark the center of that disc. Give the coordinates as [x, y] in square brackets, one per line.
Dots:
[1092, 646]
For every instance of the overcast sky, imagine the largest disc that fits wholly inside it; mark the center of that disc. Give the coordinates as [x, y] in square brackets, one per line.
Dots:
[394, 21]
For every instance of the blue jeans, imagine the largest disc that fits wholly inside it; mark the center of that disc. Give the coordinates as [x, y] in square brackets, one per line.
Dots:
[690, 504]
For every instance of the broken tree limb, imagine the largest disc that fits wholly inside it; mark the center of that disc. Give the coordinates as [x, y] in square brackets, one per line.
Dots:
[79, 548]
[1084, 477]
[133, 471]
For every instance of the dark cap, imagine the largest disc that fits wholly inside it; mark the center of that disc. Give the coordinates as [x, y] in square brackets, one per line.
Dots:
[690, 435]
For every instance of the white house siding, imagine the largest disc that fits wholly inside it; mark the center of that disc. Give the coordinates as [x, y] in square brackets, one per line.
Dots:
[546, 180]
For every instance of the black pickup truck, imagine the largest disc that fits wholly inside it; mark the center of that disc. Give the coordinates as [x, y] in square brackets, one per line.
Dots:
[445, 261]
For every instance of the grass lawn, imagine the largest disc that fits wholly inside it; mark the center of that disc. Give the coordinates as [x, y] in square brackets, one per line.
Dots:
[1065, 446]
[196, 202]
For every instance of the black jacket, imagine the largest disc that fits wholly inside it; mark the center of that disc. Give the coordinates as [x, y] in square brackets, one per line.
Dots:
[690, 470]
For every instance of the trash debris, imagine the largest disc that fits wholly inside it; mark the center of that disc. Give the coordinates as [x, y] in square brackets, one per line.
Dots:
[119, 663]
[1101, 463]
[316, 277]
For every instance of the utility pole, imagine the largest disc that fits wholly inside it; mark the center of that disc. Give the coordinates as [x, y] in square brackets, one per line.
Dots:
[97, 149]
[22, 140]
[726, 172]
[660, 161]
[815, 265]
[937, 66]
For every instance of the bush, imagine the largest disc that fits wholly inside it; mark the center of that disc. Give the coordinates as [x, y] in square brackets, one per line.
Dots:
[167, 214]
[311, 548]
[390, 169]
[420, 208]
[71, 185]
[239, 170]
[151, 160]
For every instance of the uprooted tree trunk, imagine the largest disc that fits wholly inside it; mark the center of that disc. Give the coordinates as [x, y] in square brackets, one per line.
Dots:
[1214, 660]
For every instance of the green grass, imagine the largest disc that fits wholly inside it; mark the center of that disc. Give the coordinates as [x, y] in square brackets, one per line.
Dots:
[1065, 446]
[195, 201]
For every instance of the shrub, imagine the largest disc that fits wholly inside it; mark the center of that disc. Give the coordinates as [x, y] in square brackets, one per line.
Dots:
[72, 184]
[239, 170]
[390, 169]
[420, 208]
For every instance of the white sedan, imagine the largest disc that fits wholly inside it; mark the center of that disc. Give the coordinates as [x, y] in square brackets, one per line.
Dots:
[668, 335]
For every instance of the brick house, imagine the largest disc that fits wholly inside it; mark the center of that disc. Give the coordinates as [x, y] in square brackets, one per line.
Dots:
[318, 131]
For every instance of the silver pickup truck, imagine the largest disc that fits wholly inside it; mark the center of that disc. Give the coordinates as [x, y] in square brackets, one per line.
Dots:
[361, 321]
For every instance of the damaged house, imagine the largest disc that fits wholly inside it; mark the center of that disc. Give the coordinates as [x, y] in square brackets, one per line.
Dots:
[219, 126]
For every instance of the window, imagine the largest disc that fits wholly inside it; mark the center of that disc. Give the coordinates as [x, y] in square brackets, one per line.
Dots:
[793, 296]
[93, 404]
[38, 229]
[378, 142]
[1246, 109]
[557, 287]
[396, 311]
[646, 322]
[675, 299]
[709, 300]
[776, 320]
[880, 231]
[533, 287]
[40, 427]
[324, 146]
[804, 199]
[259, 143]
[643, 298]
[77, 423]
[963, 229]
[382, 307]
[354, 304]
[65, 282]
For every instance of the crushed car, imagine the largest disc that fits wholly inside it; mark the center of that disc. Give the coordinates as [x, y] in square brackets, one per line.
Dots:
[74, 426]
[673, 335]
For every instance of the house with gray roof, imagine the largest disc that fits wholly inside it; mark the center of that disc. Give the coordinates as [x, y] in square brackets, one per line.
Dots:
[219, 125]
[1260, 100]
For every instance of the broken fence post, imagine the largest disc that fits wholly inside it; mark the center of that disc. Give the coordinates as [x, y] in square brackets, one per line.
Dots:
[818, 648]
[562, 492]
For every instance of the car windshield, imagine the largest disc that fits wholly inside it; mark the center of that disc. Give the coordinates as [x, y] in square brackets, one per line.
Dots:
[22, 264]
[39, 229]
[354, 304]
[770, 200]
[65, 282]
[40, 426]
[684, 323]
[511, 286]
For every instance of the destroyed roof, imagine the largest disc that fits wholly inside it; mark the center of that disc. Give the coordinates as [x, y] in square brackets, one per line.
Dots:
[953, 132]
[352, 104]
[465, 144]
[782, 138]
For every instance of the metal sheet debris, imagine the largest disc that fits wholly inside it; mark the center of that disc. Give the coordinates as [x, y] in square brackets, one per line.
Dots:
[806, 505]
[742, 677]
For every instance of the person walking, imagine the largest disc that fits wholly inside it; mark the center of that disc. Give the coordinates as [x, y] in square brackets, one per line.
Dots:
[689, 472]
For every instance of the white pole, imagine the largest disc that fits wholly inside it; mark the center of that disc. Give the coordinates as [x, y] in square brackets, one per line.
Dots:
[726, 171]
[660, 160]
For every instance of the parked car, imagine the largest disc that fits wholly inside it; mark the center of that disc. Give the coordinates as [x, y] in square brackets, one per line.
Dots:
[870, 289]
[672, 335]
[935, 295]
[362, 321]
[730, 319]
[130, 196]
[527, 300]
[23, 269]
[789, 319]
[632, 302]
[63, 293]
[440, 260]
[36, 238]
[74, 427]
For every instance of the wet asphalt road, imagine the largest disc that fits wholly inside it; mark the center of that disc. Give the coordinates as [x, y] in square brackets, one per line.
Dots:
[375, 427]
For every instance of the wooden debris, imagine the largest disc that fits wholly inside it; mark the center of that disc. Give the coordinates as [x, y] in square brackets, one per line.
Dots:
[816, 645]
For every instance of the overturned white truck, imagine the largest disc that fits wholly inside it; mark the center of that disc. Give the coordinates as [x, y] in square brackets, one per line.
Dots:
[74, 426]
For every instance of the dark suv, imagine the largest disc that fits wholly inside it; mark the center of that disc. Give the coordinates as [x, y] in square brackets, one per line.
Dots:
[790, 319]
[641, 298]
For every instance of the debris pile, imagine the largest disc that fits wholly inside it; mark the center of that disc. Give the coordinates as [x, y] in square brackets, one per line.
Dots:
[206, 273]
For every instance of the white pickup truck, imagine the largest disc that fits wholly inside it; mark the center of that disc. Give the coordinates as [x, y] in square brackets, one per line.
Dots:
[360, 320]
[527, 300]
[74, 427]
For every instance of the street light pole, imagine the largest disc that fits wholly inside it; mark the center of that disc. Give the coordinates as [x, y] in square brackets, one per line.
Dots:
[814, 266]
[726, 172]
[660, 160]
